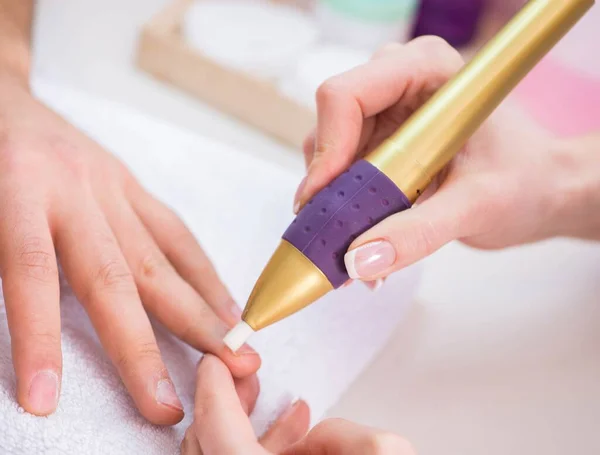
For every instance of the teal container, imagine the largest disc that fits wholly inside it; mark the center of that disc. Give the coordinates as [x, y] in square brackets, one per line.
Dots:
[367, 24]
[381, 11]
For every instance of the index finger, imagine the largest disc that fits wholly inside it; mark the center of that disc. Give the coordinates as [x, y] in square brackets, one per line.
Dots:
[345, 101]
[221, 423]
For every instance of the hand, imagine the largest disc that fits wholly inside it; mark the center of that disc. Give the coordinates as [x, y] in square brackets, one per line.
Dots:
[221, 424]
[125, 254]
[511, 184]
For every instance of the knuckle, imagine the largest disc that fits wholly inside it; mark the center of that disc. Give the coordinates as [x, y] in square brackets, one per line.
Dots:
[48, 340]
[113, 274]
[35, 261]
[150, 264]
[130, 356]
[427, 239]
[419, 239]
[386, 49]
[438, 48]
[328, 90]
[386, 443]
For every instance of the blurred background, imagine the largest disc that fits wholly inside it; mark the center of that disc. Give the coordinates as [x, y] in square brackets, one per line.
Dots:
[501, 354]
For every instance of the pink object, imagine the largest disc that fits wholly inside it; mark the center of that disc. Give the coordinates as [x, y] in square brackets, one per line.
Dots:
[562, 99]
[370, 259]
[563, 91]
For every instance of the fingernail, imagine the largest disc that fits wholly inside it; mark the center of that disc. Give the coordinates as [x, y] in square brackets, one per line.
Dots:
[246, 349]
[165, 394]
[370, 259]
[375, 285]
[290, 409]
[43, 392]
[298, 195]
[236, 311]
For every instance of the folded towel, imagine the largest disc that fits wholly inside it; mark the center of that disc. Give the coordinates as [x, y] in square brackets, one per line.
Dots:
[315, 354]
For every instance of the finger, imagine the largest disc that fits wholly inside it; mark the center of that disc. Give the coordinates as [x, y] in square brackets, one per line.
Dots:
[409, 236]
[221, 423]
[309, 143]
[190, 444]
[308, 148]
[287, 429]
[344, 101]
[342, 436]
[183, 251]
[168, 297]
[247, 389]
[387, 49]
[103, 283]
[31, 291]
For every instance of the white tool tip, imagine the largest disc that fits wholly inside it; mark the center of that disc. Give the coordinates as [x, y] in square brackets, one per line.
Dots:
[237, 336]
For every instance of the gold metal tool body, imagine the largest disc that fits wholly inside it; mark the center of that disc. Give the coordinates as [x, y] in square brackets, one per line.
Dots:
[427, 142]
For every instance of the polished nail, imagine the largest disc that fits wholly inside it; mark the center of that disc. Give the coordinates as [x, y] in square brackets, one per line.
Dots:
[43, 392]
[370, 259]
[165, 394]
[298, 195]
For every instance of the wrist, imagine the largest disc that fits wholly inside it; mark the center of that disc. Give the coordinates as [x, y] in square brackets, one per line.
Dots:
[576, 181]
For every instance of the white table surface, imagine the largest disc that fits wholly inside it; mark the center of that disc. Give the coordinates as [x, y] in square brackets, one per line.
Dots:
[502, 356]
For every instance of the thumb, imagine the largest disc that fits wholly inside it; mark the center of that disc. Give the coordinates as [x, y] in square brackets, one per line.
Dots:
[405, 238]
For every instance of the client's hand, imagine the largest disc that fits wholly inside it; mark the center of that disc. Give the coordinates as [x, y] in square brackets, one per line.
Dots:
[511, 184]
[221, 424]
[125, 254]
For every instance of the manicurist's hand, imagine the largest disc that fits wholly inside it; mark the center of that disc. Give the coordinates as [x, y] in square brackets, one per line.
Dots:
[125, 254]
[512, 184]
[221, 425]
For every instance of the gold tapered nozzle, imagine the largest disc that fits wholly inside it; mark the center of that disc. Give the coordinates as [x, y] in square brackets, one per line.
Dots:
[289, 282]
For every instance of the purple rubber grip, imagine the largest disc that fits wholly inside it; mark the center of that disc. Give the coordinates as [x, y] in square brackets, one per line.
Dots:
[353, 203]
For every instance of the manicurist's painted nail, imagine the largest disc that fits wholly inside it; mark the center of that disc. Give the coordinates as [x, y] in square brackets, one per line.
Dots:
[299, 192]
[43, 392]
[165, 394]
[370, 259]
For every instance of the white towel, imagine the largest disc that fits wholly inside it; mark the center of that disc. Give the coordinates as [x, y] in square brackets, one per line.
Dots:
[315, 354]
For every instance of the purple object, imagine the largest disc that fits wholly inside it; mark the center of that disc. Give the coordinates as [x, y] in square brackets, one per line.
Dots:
[454, 20]
[353, 203]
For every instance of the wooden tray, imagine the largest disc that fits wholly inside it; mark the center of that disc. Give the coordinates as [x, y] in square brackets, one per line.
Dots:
[163, 53]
